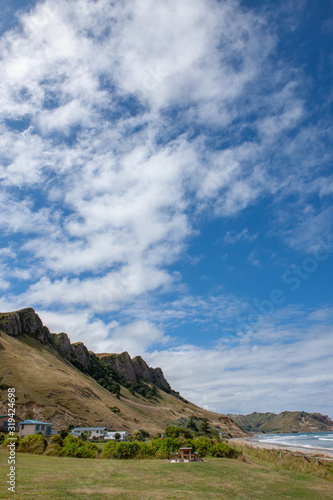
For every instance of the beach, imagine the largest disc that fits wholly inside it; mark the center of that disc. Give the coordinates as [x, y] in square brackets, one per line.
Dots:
[314, 452]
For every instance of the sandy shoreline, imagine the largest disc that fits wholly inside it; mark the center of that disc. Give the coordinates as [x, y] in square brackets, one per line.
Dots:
[293, 449]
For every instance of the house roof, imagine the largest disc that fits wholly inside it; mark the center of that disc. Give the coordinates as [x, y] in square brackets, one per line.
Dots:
[27, 422]
[82, 429]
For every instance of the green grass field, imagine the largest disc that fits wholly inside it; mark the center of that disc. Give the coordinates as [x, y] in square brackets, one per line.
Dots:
[59, 477]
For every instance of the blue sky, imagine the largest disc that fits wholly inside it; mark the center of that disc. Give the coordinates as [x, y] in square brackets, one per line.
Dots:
[166, 189]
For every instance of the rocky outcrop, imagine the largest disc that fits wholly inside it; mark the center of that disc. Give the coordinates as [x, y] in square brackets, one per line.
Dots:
[141, 369]
[63, 345]
[25, 322]
[81, 354]
[134, 370]
[158, 378]
[122, 363]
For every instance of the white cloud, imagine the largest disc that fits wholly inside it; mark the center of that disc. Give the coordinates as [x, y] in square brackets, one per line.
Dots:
[121, 126]
[246, 378]
[244, 235]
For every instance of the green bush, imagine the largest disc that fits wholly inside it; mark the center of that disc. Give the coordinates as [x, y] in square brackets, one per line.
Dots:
[2, 437]
[109, 449]
[74, 447]
[35, 443]
[54, 446]
[173, 431]
[162, 448]
[126, 450]
[144, 451]
[12, 439]
[203, 446]
[223, 450]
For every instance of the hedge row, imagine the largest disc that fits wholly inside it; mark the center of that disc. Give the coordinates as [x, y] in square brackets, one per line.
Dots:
[163, 448]
[72, 446]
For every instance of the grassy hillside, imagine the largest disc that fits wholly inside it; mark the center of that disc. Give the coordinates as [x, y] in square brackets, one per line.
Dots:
[287, 421]
[50, 388]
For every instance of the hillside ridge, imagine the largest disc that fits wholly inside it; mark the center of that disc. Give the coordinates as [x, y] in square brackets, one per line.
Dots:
[284, 422]
[66, 384]
[27, 322]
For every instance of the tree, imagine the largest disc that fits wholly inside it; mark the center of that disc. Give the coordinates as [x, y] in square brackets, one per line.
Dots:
[137, 436]
[117, 436]
[205, 427]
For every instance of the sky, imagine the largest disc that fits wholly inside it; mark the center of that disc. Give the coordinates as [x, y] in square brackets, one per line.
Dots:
[166, 188]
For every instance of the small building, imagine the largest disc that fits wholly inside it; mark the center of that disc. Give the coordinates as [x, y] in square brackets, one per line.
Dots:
[112, 435]
[90, 432]
[7, 424]
[185, 455]
[28, 427]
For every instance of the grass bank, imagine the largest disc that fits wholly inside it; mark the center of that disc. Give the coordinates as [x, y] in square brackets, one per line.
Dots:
[40, 476]
[291, 461]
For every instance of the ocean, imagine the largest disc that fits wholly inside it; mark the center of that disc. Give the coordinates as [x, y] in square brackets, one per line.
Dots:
[319, 440]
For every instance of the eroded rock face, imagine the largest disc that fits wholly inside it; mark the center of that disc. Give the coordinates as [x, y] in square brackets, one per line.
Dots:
[135, 369]
[63, 345]
[158, 378]
[141, 369]
[122, 363]
[81, 353]
[25, 322]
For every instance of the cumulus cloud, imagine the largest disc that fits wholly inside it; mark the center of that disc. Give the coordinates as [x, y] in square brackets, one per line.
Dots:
[254, 376]
[124, 125]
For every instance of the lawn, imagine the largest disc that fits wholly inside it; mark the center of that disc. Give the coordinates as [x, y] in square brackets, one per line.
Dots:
[60, 477]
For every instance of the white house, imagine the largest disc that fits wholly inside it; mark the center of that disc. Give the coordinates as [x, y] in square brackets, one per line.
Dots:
[28, 427]
[112, 435]
[90, 432]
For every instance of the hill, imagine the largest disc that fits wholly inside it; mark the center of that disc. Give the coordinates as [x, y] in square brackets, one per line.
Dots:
[66, 384]
[285, 422]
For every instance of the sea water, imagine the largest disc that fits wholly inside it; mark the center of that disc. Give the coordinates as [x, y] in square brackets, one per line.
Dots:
[323, 440]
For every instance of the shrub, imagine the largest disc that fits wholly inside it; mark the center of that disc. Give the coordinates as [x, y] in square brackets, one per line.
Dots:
[203, 446]
[54, 446]
[137, 436]
[2, 437]
[12, 439]
[144, 451]
[63, 433]
[223, 450]
[109, 449]
[126, 450]
[174, 432]
[161, 448]
[74, 447]
[35, 443]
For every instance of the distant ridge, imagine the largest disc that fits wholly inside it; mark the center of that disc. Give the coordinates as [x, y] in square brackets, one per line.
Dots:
[66, 384]
[285, 422]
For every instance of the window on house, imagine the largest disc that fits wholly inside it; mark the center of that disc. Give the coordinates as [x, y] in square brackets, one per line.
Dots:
[43, 428]
[37, 427]
[22, 427]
